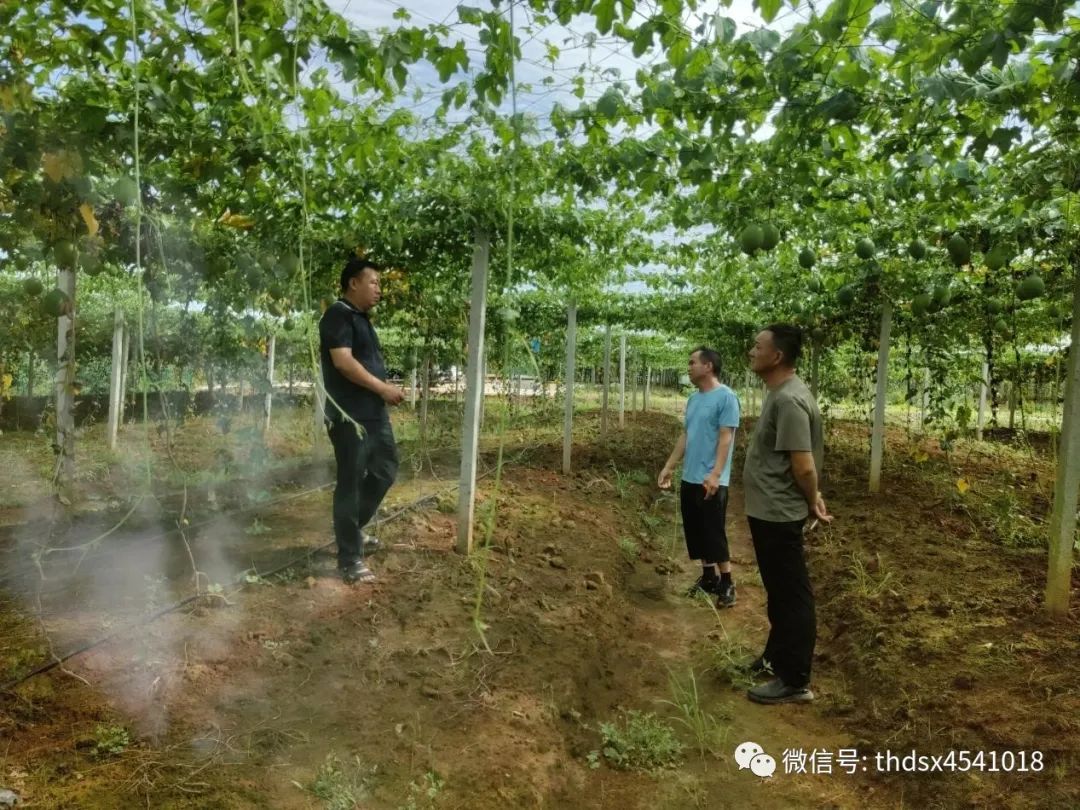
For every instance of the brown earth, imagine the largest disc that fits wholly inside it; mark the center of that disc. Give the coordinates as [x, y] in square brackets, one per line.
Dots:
[930, 637]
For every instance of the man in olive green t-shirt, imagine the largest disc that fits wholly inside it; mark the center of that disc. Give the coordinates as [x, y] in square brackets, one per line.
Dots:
[780, 486]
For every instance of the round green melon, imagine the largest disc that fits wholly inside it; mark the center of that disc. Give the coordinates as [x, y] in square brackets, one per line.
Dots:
[815, 285]
[1054, 311]
[33, 287]
[959, 251]
[941, 297]
[1001, 325]
[288, 325]
[997, 257]
[920, 304]
[55, 303]
[865, 248]
[126, 191]
[90, 263]
[65, 254]
[770, 236]
[917, 249]
[993, 307]
[751, 239]
[807, 258]
[1031, 287]
[817, 334]
[845, 296]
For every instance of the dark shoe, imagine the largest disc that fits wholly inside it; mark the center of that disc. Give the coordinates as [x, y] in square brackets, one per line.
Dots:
[776, 691]
[703, 586]
[371, 544]
[725, 595]
[357, 572]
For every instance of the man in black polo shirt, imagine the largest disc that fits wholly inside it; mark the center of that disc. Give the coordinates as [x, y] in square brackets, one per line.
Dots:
[356, 398]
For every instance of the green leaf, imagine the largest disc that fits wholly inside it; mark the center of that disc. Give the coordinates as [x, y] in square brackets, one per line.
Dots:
[605, 15]
[768, 8]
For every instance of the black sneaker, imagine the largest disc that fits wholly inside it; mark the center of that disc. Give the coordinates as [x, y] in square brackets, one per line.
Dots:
[704, 585]
[776, 691]
[357, 572]
[725, 595]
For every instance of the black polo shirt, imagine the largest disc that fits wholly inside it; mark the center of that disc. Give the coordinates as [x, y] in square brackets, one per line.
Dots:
[341, 326]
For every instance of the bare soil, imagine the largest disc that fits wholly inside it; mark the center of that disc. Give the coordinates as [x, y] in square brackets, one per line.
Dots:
[405, 695]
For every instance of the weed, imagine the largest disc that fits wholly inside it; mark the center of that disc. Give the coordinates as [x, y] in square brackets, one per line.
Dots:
[708, 733]
[640, 742]
[728, 655]
[867, 584]
[257, 528]
[423, 794]
[339, 787]
[110, 740]
[629, 549]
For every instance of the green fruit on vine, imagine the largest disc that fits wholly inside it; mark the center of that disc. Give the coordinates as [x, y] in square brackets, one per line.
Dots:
[815, 285]
[917, 249]
[288, 326]
[920, 304]
[941, 297]
[845, 296]
[997, 257]
[1054, 311]
[1031, 287]
[807, 258]
[817, 334]
[770, 236]
[993, 307]
[865, 248]
[33, 287]
[751, 239]
[267, 261]
[1001, 325]
[290, 263]
[55, 303]
[90, 263]
[959, 251]
[126, 191]
[65, 254]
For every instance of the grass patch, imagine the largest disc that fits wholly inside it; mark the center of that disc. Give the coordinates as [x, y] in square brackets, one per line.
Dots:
[638, 741]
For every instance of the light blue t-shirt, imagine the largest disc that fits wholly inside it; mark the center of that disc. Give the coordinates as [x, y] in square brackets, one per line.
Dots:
[706, 413]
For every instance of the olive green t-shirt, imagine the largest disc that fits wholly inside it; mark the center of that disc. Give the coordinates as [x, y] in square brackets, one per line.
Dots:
[790, 420]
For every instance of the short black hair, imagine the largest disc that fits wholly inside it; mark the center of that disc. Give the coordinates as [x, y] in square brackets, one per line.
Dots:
[354, 267]
[788, 340]
[707, 355]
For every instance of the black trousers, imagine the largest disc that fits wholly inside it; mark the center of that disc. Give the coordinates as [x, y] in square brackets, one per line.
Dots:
[366, 468]
[703, 523]
[792, 620]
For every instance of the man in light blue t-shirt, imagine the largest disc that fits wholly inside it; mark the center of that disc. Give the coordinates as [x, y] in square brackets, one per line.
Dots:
[706, 447]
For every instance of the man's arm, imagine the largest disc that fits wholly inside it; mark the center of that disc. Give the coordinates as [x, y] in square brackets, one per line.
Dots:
[664, 479]
[805, 472]
[723, 444]
[353, 370]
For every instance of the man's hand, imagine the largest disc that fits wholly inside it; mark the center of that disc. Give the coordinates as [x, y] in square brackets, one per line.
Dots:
[392, 395]
[664, 479]
[820, 511]
[712, 483]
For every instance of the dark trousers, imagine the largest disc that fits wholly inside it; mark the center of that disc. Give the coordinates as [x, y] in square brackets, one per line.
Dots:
[366, 468]
[703, 523]
[792, 621]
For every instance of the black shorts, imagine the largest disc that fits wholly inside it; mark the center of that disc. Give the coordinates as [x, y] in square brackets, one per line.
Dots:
[703, 523]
